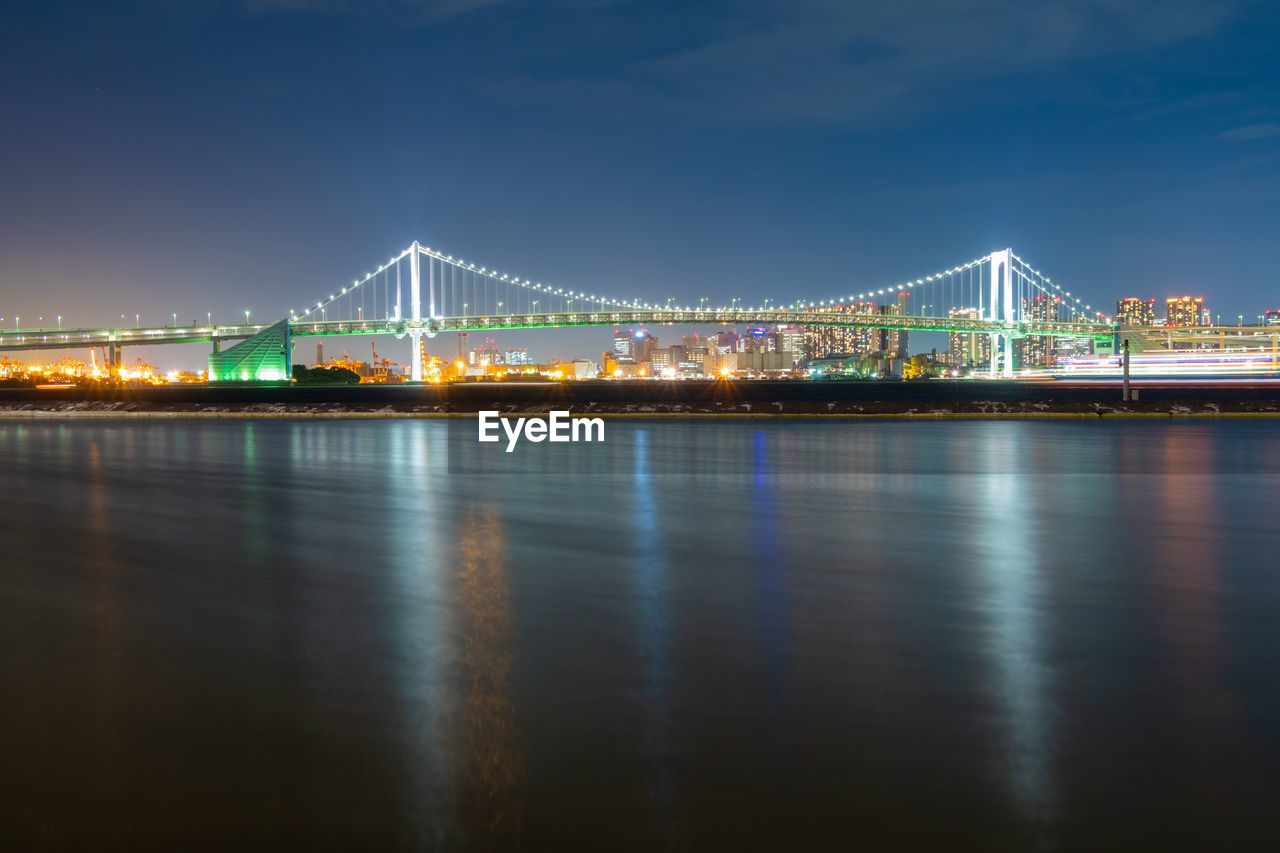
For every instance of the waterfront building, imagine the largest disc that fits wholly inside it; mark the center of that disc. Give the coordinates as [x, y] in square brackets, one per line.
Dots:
[1184, 311]
[892, 343]
[791, 339]
[828, 341]
[968, 349]
[622, 345]
[1040, 350]
[1134, 311]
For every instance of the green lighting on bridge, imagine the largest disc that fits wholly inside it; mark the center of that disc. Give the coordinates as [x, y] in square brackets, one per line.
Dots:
[265, 357]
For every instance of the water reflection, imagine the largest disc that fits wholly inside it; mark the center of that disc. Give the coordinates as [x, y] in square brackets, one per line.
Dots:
[110, 755]
[1185, 576]
[651, 581]
[790, 631]
[414, 527]
[1006, 531]
[492, 769]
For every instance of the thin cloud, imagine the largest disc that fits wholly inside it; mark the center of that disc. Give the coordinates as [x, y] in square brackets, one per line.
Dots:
[422, 10]
[830, 60]
[1251, 131]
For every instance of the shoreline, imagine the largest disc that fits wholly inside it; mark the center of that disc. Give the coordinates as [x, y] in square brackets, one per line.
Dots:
[881, 413]
[688, 399]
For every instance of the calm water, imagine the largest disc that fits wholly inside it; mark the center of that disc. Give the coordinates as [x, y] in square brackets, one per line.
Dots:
[743, 635]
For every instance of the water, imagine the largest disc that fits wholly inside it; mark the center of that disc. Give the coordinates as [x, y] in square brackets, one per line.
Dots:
[729, 634]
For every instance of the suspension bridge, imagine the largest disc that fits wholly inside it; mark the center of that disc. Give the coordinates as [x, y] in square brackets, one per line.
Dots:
[422, 292]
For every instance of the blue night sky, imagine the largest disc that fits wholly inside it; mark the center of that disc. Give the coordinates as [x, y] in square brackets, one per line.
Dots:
[200, 156]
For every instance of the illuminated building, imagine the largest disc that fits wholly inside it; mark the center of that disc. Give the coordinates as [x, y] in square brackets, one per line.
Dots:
[1184, 311]
[1271, 318]
[486, 354]
[892, 342]
[829, 341]
[791, 339]
[695, 346]
[518, 356]
[622, 345]
[645, 346]
[1132, 311]
[1040, 349]
[968, 349]
[724, 342]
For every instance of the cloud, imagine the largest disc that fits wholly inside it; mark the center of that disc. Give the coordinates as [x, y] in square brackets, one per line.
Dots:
[845, 62]
[421, 10]
[1252, 131]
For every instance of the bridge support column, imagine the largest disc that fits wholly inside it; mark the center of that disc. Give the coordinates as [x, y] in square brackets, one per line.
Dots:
[415, 357]
[1001, 308]
[217, 346]
[115, 358]
[1001, 355]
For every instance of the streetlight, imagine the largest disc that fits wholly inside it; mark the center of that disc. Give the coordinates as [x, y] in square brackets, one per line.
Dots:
[208, 318]
[246, 316]
[60, 322]
[175, 319]
[137, 321]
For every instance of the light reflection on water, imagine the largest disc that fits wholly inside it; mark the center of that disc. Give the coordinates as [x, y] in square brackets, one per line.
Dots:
[724, 633]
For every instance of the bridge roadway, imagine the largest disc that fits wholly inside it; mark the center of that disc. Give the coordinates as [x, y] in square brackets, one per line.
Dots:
[38, 339]
[1153, 336]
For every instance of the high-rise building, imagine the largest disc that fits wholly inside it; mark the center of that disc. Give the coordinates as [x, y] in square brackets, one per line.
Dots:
[1040, 350]
[643, 346]
[827, 341]
[1133, 311]
[726, 341]
[518, 355]
[694, 345]
[892, 343]
[968, 349]
[1184, 311]
[623, 347]
[791, 339]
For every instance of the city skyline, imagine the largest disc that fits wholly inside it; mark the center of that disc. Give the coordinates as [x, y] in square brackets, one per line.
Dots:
[218, 159]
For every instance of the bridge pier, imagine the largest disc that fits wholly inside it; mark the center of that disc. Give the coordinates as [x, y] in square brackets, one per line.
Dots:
[415, 356]
[1001, 305]
[115, 358]
[217, 345]
[1001, 355]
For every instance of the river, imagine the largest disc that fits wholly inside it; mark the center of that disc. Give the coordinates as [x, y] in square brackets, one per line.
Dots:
[731, 634]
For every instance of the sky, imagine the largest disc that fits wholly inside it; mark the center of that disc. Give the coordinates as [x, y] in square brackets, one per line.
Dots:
[191, 157]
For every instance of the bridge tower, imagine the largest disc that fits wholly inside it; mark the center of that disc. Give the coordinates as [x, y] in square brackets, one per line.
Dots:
[415, 314]
[1001, 309]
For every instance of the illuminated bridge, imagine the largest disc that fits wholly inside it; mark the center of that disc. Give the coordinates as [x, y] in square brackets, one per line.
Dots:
[422, 292]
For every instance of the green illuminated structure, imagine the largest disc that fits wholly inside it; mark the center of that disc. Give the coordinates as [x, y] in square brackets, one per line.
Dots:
[264, 357]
